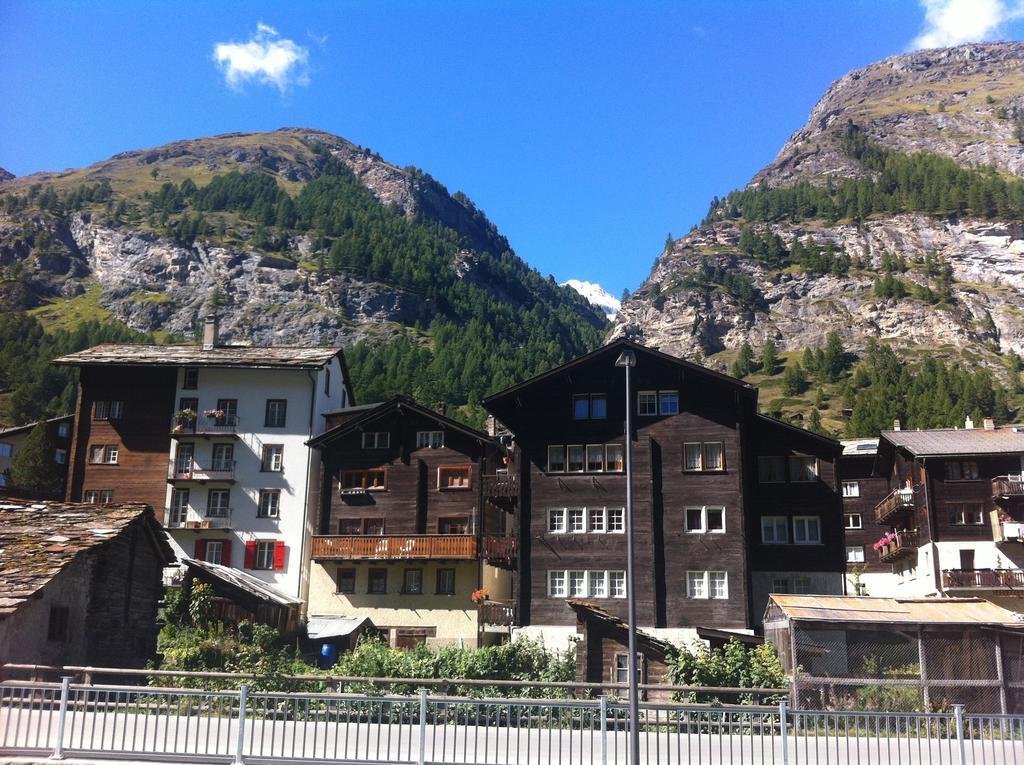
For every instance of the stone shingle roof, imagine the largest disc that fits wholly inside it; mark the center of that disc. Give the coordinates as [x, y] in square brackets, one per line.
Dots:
[953, 442]
[38, 539]
[196, 356]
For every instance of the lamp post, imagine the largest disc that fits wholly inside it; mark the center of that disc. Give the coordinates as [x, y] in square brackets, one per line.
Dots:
[627, 360]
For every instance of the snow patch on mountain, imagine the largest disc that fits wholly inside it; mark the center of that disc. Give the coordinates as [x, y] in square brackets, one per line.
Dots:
[596, 295]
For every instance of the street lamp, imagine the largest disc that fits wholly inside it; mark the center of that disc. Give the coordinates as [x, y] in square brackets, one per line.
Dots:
[627, 360]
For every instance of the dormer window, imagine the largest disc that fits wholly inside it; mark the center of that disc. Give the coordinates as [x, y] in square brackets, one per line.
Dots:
[376, 440]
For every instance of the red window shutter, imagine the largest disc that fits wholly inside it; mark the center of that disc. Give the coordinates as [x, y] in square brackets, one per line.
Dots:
[200, 551]
[225, 559]
[278, 556]
[250, 554]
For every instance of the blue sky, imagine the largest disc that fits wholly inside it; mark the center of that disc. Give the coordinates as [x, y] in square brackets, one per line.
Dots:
[586, 131]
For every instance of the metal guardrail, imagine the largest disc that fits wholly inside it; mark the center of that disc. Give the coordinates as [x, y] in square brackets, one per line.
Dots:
[197, 725]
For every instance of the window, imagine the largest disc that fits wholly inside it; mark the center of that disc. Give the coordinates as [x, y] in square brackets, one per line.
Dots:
[598, 406]
[696, 584]
[705, 519]
[771, 469]
[190, 380]
[376, 440]
[108, 410]
[577, 520]
[264, 556]
[556, 520]
[350, 527]
[228, 407]
[617, 584]
[457, 524]
[716, 519]
[214, 552]
[103, 454]
[218, 503]
[223, 457]
[620, 671]
[327, 383]
[851, 489]
[803, 469]
[556, 584]
[99, 496]
[718, 585]
[714, 456]
[454, 477]
[577, 584]
[774, 530]
[6, 450]
[703, 456]
[855, 554]
[277, 411]
[668, 402]
[598, 584]
[346, 580]
[273, 458]
[589, 406]
[60, 456]
[581, 407]
[595, 458]
[802, 585]
[781, 585]
[179, 507]
[377, 581]
[853, 521]
[429, 439]
[647, 403]
[962, 471]
[691, 457]
[412, 581]
[556, 459]
[613, 459]
[374, 479]
[576, 464]
[966, 515]
[446, 581]
[806, 530]
[616, 519]
[57, 630]
[373, 527]
[595, 519]
[63, 430]
[270, 503]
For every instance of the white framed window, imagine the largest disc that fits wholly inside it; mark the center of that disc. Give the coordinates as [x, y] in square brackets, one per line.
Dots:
[214, 552]
[613, 459]
[429, 439]
[616, 520]
[696, 584]
[802, 585]
[269, 503]
[855, 554]
[218, 503]
[853, 521]
[103, 454]
[376, 440]
[803, 469]
[781, 585]
[576, 459]
[598, 584]
[774, 530]
[705, 519]
[596, 520]
[668, 402]
[577, 520]
[265, 555]
[556, 459]
[771, 469]
[556, 520]
[276, 414]
[851, 489]
[715, 519]
[714, 456]
[692, 456]
[577, 584]
[556, 584]
[647, 403]
[806, 530]
[223, 457]
[966, 515]
[108, 410]
[273, 458]
[179, 507]
[595, 458]
[617, 584]
[718, 585]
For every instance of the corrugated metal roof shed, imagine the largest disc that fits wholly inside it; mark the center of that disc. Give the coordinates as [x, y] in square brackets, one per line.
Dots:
[924, 611]
[953, 442]
[197, 356]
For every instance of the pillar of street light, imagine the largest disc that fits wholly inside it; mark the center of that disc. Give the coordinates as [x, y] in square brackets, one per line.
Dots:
[627, 360]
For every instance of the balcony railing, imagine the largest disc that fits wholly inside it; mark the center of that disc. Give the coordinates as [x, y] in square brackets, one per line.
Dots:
[201, 425]
[500, 551]
[424, 546]
[895, 501]
[222, 520]
[1007, 486]
[501, 486]
[497, 613]
[902, 545]
[984, 579]
[191, 471]
[1011, 531]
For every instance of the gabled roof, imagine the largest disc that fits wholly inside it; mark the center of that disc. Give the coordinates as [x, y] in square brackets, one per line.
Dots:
[16, 431]
[942, 442]
[39, 539]
[614, 348]
[127, 354]
[888, 611]
[396, 404]
[588, 610]
[830, 442]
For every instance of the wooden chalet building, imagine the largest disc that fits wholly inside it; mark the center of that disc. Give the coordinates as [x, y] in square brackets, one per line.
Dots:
[416, 515]
[729, 505]
[951, 519]
[12, 440]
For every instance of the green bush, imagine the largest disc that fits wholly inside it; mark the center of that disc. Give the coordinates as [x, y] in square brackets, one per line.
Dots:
[733, 666]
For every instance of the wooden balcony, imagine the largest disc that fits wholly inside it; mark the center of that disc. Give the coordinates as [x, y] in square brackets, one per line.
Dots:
[501, 486]
[217, 471]
[500, 551]
[1007, 487]
[896, 501]
[983, 579]
[904, 545]
[420, 547]
[496, 613]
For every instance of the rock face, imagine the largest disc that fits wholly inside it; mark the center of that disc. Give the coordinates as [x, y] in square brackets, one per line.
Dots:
[896, 102]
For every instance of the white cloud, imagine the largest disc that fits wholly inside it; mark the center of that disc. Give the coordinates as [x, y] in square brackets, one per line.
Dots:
[952, 22]
[267, 58]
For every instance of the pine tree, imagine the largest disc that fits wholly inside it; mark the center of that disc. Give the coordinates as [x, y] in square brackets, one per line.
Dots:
[834, 357]
[794, 381]
[744, 363]
[769, 358]
[33, 467]
[814, 422]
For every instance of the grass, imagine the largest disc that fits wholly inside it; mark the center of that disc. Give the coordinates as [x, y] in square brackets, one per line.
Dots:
[69, 313]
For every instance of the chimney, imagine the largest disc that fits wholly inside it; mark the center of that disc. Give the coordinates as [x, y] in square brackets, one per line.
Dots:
[211, 331]
[441, 408]
[895, 424]
[968, 424]
[990, 424]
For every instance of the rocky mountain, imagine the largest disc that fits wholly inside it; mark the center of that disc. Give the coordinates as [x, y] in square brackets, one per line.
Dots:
[863, 226]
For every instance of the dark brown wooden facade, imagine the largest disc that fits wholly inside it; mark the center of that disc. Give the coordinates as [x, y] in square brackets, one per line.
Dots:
[138, 427]
[695, 516]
